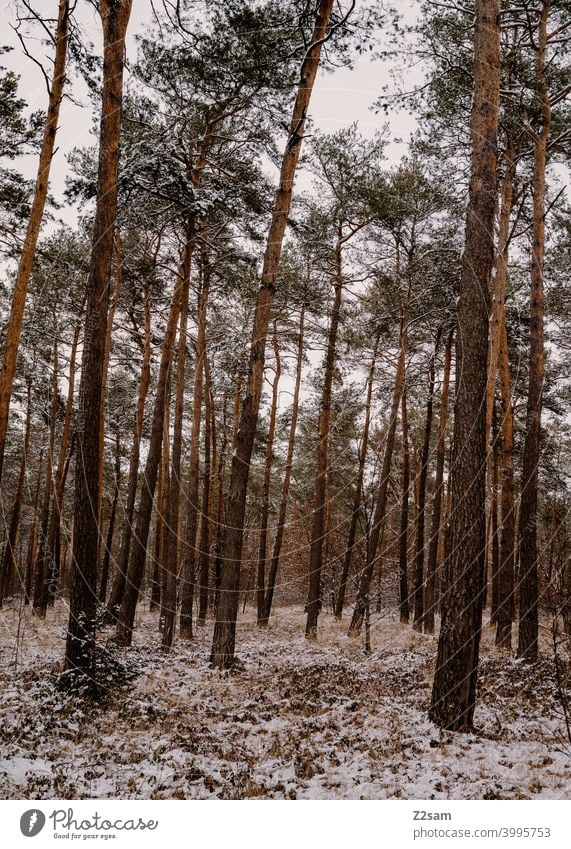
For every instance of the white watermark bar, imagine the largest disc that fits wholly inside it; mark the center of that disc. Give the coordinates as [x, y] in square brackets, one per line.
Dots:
[262, 824]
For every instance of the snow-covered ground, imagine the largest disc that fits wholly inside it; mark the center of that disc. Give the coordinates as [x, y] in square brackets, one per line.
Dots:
[294, 720]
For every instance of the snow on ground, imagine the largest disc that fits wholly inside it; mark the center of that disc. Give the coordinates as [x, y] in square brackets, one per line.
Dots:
[295, 720]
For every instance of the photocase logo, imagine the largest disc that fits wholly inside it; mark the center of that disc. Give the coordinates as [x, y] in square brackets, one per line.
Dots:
[32, 822]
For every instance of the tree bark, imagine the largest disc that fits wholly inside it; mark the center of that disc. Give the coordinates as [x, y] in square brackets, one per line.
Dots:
[318, 526]
[356, 509]
[64, 458]
[126, 617]
[263, 541]
[170, 530]
[432, 567]
[529, 590]
[118, 588]
[111, 526]
[204, 532]
[24, 272]
[42, 568]
[106, 355]
[282, 513]
[9, 558]
[220, 508]
[421, 510]
[225, 627]
[363, 591]
[505, 611]
[80, 645]
[404, 606]
[454, 689]
[31, 553]
[189, 560]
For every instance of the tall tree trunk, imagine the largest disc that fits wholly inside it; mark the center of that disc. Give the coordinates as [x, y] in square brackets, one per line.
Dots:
[225, 626]
[493, 554]
[220, 508]
[118, 588]
[188, 567]
[262, 547]
[209, 518]
[32, 537]
[528, 596]
[404, 605]
[111, 526]
[42, 569]
[204, 534]
[106, 355]
[24, 272]
[421, 511]
[65, 452]
[157, 576]
[363, 591]
[318, 526]
[505, 611]
[454, 689]
[9, 558]
[431, 601]
[160, 567]
[282, 513]
[356, 508]
[126, 617]
[170, 531]
[80, 644]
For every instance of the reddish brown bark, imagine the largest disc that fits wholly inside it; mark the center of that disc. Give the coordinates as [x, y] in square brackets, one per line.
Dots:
[80, 645]
[454, 689]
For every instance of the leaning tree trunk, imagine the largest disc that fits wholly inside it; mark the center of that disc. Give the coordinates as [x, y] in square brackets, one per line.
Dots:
[24, 272]
[318, 526]
[454, 689]
[419, 576]
[528, 594]
[430, 604]
[356, 509]
[382, 497]
[225, 626]
[80, 645]
[282, 513]
[263, 541]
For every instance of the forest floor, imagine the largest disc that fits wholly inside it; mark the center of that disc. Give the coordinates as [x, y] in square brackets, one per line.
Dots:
[294, 720]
